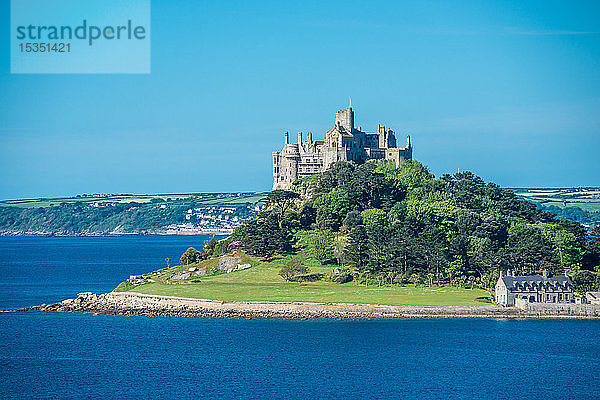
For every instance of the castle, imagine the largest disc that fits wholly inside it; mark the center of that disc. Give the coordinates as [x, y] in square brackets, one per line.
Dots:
[343, 142]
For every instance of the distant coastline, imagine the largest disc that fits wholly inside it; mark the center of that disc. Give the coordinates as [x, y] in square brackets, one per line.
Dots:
[137, 304]
[113, 234]
[117, 215]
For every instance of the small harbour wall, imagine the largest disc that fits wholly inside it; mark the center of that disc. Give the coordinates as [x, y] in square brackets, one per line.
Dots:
[542, 309]
[137, 304]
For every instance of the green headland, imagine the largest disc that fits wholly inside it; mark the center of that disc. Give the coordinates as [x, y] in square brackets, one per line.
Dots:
[381, 233]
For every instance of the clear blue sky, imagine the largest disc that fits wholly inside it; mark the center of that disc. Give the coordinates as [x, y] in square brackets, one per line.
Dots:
[510, 91]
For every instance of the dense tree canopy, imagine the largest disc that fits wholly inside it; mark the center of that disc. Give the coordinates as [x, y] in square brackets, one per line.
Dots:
[401, 224]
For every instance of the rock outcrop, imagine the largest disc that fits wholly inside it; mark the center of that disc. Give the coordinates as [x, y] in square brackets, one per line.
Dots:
[232, 263]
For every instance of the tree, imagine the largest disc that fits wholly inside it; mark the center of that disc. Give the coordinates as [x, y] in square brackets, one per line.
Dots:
[336, 201]
[527, 251]
[374, 219]
[281, 201]
[326, 220]
[352, 220]
[307, 217]
[591, 259]
[319, 244]
[456, 268]
[293, 268]
[357, 250]
[409, 174]
[264, 236]
[586, 281]
[191, 256]
[565, 244]
[415, 278]
[209, 247]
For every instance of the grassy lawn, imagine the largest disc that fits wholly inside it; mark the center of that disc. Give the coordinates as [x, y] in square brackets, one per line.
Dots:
[262, 283]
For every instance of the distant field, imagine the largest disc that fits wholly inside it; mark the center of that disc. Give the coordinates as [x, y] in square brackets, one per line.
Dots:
[262, 283]
[202, 198]
[587, 199]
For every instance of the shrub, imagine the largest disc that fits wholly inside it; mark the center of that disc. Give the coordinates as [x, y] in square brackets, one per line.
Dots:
[341, 275]
[306, 278]
[294, 267]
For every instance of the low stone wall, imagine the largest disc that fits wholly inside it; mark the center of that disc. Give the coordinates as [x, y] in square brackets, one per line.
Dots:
[567, 309]
[131, 303]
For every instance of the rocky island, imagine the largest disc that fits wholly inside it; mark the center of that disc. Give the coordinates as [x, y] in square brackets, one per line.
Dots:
[380, 239]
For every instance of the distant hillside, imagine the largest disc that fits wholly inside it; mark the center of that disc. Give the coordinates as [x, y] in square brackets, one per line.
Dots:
[105, 214]
[575, 204]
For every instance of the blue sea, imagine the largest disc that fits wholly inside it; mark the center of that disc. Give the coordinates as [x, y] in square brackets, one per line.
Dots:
[80, 356]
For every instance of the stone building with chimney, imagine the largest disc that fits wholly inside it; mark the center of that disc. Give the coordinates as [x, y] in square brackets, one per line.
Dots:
[343, 142]
[533, 289]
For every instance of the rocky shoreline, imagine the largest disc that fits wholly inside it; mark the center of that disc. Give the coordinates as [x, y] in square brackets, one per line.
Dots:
[137, 304]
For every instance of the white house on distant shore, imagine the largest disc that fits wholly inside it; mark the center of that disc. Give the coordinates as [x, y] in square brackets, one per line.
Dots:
[534, 289]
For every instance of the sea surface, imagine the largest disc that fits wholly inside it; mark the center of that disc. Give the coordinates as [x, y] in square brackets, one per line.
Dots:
[80, 356]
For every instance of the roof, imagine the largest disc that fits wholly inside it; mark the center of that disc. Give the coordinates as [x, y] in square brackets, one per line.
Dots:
[516, 283]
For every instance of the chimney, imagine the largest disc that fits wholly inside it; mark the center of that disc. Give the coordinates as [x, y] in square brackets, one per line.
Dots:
[287, 137]
[299, 138]
[309, 136]
[408, 141]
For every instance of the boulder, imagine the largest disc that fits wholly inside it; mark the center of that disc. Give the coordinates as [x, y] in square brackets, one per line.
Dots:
[240, 267]
[227, 263]
[180, 276]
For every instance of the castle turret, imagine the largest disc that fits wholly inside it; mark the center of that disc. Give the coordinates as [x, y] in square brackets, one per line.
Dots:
[292, 157]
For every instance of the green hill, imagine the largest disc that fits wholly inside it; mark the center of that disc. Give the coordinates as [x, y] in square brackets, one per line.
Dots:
[377, 233]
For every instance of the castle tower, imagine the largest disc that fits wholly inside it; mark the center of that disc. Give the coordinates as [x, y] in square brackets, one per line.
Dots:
[292, 156]
[345, 118]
